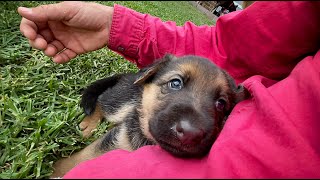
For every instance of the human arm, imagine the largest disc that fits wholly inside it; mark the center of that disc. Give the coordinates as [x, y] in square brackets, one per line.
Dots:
[142, 38]
[279, 27]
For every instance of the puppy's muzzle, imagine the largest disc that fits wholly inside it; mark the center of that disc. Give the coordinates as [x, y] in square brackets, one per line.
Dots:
[188, 126]
[187, 133]
[183, 130]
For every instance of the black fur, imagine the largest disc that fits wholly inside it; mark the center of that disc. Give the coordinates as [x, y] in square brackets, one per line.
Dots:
[108, 141]
[136, 137]
[91, 93]
[122, 92]
[174, 106]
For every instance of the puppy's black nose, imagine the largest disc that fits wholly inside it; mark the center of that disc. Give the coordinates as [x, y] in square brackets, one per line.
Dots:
[187, 133]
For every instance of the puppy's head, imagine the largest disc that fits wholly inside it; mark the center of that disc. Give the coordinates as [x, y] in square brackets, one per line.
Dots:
[184, 103]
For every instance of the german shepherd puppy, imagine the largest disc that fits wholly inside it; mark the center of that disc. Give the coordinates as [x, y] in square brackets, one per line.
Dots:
[177, 103]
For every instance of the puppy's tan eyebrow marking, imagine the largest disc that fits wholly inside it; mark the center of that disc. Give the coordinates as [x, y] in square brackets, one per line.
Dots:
[189, 68]
[222, 82]
[169, 75]
[215, 79]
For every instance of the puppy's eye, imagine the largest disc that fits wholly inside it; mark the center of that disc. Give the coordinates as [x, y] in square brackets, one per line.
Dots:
[220, 104]
[175, 84]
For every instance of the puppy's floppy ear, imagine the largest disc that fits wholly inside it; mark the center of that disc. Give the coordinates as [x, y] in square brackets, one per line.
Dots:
[150, 70]
[241, 93]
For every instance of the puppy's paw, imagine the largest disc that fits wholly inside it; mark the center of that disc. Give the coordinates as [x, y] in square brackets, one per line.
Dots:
[88, 125]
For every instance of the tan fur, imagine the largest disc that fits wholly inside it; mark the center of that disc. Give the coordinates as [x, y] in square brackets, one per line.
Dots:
[221, 82]
[246, 4]
[121, 113]
[190, 70]
[62, 166]
[123, 140]
[202, 82]
[169, 75]
[149, 97]
[90, 123]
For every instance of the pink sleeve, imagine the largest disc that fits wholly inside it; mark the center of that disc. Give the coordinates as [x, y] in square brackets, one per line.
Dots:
[266, 38]
[275, 134]
[142, 38]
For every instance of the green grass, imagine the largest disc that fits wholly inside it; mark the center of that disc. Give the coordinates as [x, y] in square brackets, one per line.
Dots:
[39, 100]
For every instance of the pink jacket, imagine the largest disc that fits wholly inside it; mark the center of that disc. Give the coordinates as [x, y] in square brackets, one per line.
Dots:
[270, 47]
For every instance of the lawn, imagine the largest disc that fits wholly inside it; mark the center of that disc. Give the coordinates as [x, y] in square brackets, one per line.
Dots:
[39, 100]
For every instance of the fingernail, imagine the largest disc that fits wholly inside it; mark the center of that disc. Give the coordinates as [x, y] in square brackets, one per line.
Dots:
[26, 10]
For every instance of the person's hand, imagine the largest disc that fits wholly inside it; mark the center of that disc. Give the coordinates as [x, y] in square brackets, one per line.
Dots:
[67, 29]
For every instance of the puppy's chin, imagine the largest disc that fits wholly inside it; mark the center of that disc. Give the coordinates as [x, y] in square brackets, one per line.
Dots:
[200, 130]
[168, 140]
[185, 151]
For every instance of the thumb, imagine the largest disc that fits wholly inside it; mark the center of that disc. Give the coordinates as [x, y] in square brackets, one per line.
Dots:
[52, 12]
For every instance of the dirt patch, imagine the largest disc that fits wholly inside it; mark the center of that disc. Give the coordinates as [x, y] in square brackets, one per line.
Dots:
[209, 14]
